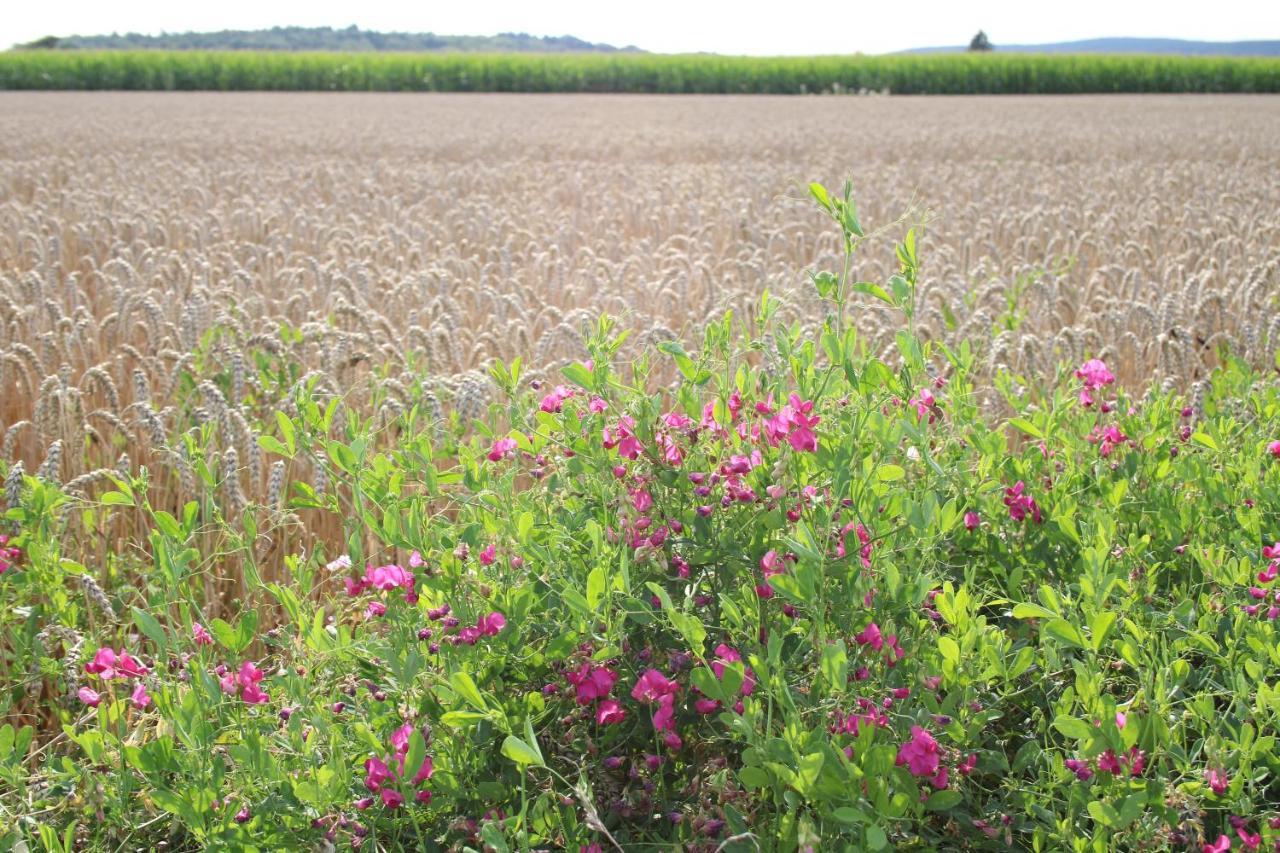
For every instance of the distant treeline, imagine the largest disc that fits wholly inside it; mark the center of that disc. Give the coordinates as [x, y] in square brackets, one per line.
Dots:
[351, 39]
[640, 73]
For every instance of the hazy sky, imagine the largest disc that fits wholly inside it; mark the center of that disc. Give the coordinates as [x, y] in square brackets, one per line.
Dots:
[720, 26]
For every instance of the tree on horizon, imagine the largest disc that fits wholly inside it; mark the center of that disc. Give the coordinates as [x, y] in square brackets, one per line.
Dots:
[981, 42]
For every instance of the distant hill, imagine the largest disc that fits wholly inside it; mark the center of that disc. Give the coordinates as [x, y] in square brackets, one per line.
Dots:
[1179, 47]
[328, 39]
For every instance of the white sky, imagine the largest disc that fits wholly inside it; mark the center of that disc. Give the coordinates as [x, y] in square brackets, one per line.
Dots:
[720, 26]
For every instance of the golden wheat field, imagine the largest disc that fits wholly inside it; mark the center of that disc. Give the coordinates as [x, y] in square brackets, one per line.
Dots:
[175, 260]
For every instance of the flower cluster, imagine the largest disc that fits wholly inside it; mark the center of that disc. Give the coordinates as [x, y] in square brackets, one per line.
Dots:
[110, 665]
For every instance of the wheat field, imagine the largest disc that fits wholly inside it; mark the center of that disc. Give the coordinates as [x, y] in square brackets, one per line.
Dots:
[175, 264]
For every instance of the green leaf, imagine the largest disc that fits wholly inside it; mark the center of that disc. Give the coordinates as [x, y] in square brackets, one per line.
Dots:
[115, 499]
[1104, 813]
[819, 192]
[1073, 727]
[1064, 631]
[1032, 611]
[465, 686]
[890, 473]
[520, 752]
[595, 586]
[149, 626]
[835, 665]
[1027, 426]
[876, 839]
[940, 801]
[950, 650]
[1205, 439]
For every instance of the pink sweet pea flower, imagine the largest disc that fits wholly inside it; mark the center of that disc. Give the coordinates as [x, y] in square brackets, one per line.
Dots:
[971, 521]
[391, 798]
[609, 712]
[871, 636]
[502, 449]
[1094, 373]
[1222, 845]
[89, 697]
[139, 697]
[1268, 574]
[388, 577]
[488, 555]
[1250, 840]
[1080, 768]
[103, 664]
[597, 405]
[1274, 449]
[201, 635]
[1271, 552]
[664, 717]
[919, 754]
[591, 682]
[376, 773]
[1021, 504]
[491, 624]
[652, 685]
[1217, 779]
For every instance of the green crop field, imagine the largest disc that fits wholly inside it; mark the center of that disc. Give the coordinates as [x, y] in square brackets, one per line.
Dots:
[952, 74]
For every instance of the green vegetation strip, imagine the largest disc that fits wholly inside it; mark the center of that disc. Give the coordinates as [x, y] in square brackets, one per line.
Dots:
[685, 74]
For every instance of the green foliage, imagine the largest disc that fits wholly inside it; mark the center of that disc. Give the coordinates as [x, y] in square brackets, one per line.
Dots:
[809, 600]
[948, 74]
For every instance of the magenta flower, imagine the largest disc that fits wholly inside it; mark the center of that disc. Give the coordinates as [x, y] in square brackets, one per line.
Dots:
[376, 774]
[1222, 845]
[1268, 574]
[554, 402]
[652, 685]
[971, 521]
[89, 697]
[609, 712]
[1109, 763]
[387, 578]
[1217, 779]
[870, 636]
[591, 682]
[201, 635]
[1271, 552]
[391, 798]
[597, 405]
[664, 717]
[1095, 375]
[1080, 768]
[489, 555]
[502, 449]
[139, 697]
[1121, 719]
[1250, 840]
[623, 437]
[1021, 504]
[1274, 448]
[110, 664]
[920, 753]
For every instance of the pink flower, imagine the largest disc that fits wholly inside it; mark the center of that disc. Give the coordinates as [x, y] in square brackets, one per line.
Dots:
[1222, 845]
[971, 521]
[1021, 504]
[491, 624]
[1250, 840]
[1271, 552]
[1268, 574]
[1094, 373]
[609, 712]
[201, 635]
[1080, 768]
[871, 636]
[376, 773]
[652, 685]
[1274, 448]
[103, 664]
[591, 682]
[488, 555]
[623, 437]
[388, 577]
[664, 717]
[597, 405]
[139, 697]
[1121, 719]
[502, 449]
[1109, 763]
[554, 402]
[391, 798]
[920, 753]
[1217, 780]
[89, 697]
